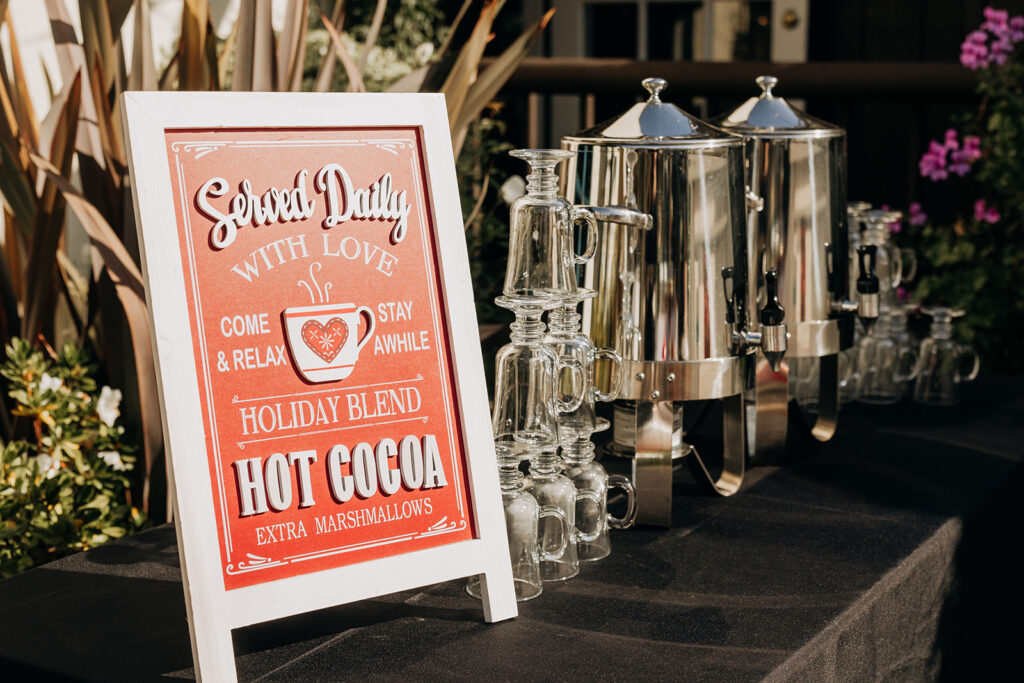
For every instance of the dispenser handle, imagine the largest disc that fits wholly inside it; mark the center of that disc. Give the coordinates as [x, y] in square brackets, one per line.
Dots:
[563, 538]
[830, 267]
[579, 384]
[581, 216]
[620, 374]
[729, 289]
[617, 481]
[773, 313]
[968, 352]
[867, 281]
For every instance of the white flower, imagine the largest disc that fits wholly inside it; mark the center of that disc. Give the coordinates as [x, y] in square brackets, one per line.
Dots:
[48, 464]
[113, 458]
[47, 383]
[106, 406]
[424, 51]
[512, 189]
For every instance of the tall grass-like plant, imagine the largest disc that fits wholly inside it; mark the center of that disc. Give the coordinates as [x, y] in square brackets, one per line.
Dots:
[42, 293]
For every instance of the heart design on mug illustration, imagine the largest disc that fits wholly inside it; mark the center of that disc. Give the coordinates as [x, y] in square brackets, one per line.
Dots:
[326, 341]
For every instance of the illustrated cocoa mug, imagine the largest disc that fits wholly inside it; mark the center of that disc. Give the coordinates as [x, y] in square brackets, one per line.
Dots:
[323, 339]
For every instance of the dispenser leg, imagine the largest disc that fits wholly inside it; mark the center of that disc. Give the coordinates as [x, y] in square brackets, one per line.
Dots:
[652, 464]
[769, 422]
[824, 426]
[733, 452]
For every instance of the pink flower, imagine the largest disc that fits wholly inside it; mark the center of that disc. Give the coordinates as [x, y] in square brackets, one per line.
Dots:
[1002, 30]
[895, 226]
[934, 163]
[902, 293]
[988, 214]
[917, 216]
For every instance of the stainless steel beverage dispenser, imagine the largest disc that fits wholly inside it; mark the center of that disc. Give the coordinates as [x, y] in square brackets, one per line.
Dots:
[797, 165]
[670, 273]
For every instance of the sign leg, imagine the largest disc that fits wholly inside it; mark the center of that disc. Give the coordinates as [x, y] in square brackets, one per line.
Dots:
[498, 593]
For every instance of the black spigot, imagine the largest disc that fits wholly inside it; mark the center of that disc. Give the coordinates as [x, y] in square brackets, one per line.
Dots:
[774, 336]
[867, 285]
[728, 286]
[772, 313]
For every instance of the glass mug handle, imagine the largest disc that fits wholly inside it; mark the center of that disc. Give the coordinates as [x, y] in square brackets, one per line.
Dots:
[563, 522]
[968, 352]
[909, 263]
[595, 523]
[584, 216]
[620, 374]
[579, 383]
[849, 366]
[617, 481]
[897, 267]
[906, 358]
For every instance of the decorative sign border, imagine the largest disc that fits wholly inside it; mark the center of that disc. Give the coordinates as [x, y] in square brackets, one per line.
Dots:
[213, 610]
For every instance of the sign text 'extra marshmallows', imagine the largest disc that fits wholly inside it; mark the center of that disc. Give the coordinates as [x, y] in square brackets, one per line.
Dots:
[344, 202]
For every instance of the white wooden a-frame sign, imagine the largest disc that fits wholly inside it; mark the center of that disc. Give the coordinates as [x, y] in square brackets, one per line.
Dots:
[321, 452]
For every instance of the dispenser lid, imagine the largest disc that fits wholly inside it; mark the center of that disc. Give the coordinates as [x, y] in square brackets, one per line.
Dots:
[656, 123]
[771, 116]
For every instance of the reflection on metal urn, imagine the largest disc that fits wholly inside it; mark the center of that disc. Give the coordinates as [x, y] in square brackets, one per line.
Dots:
[671, 275]
[797, 165]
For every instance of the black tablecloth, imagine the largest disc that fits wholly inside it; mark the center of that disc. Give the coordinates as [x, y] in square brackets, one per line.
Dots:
[891, 552]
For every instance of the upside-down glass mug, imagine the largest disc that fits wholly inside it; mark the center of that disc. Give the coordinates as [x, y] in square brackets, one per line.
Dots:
[592, 484]
[541, 260]
[526, 376]
[522, 519]
[882, 365]
[941, 362]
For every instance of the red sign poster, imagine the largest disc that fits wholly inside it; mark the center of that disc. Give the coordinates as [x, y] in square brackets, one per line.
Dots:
[320, 342]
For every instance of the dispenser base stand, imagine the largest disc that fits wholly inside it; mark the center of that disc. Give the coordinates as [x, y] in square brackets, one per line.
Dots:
[652, 461]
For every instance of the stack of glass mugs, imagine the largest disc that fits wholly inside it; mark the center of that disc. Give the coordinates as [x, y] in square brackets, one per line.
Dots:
[886, 364]
[544, 393]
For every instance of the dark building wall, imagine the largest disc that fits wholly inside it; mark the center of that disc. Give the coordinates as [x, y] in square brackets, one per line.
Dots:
[887, 138]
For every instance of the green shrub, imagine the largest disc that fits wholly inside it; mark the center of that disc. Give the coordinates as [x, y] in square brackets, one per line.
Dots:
[974, 260]
[64, 484]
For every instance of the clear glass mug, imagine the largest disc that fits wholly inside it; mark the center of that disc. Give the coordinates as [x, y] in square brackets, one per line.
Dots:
[565, 339]
[941, 363]
[940, 371]
[523, 516]
[556, 534]
[593, 520]
[889, 265]
[526, 400]
[541, 259]
[882, 367]
[805, 379]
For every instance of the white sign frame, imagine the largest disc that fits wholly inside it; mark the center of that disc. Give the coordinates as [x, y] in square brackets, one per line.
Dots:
[213, 611]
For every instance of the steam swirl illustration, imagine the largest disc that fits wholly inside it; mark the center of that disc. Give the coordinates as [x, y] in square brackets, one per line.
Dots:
[323, 293]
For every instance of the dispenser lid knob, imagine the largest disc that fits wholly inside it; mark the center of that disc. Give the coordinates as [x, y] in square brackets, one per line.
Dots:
[767, 83]
[654, 86]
